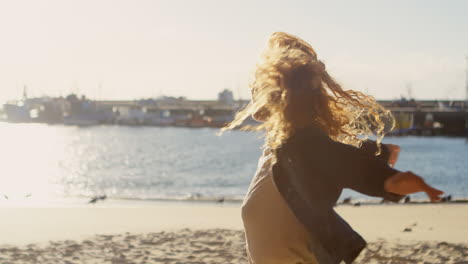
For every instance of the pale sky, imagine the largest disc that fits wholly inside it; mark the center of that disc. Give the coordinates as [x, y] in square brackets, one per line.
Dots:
[129, 49]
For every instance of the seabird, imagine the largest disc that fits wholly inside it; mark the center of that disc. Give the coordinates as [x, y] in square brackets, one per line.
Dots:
[447, 198]
[94, 200]
[407, 199]
[347, 200]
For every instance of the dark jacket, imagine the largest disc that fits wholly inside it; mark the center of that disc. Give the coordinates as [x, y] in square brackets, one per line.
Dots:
[310, 173]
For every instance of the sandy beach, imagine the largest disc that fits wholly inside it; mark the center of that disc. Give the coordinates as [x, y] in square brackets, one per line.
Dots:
[209, 233]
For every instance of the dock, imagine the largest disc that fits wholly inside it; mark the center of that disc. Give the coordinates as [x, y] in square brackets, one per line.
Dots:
[413, 117]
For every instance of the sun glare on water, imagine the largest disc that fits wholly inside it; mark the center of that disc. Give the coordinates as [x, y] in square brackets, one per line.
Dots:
[28, 156]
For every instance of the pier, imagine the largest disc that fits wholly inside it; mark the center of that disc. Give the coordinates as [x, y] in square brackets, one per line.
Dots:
[427, 118]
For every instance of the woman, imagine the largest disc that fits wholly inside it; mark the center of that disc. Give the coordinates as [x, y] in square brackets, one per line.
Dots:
[315, 145]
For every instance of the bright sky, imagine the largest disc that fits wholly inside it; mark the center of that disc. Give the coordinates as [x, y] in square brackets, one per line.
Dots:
[128, 49]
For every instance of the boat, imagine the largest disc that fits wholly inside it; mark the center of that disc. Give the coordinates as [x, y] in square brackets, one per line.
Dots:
[17, 112]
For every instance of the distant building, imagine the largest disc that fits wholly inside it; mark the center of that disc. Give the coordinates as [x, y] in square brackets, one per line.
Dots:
[226, 97]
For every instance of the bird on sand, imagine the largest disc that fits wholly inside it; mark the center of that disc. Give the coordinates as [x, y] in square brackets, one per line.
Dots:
[94, 200]
[97, 198]
[347, 200]
[407, 199]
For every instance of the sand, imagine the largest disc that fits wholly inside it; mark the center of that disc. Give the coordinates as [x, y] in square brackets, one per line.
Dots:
[183, 246]
[208, 233]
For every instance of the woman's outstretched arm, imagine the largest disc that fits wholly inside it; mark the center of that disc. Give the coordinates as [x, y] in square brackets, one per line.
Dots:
[372, 175]
[404, 183]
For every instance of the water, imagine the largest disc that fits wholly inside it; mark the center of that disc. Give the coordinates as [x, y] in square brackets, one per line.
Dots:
[41, 164]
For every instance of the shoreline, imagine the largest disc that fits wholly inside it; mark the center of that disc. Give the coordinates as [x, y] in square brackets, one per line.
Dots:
[79, 202]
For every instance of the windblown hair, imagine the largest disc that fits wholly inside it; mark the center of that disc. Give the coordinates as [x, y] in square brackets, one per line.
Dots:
[292, 89]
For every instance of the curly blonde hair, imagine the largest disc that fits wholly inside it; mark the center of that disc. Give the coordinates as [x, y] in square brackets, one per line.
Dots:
[292, 89]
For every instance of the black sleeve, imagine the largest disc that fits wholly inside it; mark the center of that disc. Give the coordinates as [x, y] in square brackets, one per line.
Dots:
[356, 168]
[369, 147]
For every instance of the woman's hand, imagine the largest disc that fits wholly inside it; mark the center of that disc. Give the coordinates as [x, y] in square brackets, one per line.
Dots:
[404, 183]
[394, 153]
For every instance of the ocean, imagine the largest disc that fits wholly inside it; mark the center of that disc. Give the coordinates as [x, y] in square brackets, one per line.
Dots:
[65, 165]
